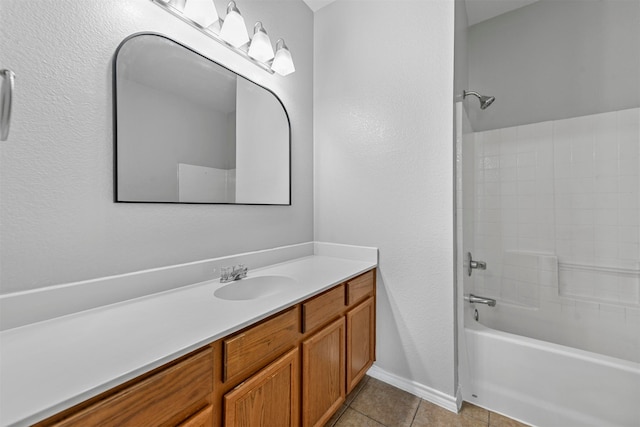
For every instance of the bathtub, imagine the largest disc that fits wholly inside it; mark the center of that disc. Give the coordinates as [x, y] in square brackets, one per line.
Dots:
[546, 384]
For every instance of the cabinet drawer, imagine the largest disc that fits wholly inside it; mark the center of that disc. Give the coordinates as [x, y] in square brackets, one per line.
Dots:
[155, 400]
[360, 287]
[322, 308]
[249, 350]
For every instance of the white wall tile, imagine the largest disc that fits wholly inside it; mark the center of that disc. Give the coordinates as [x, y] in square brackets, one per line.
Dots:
[570, 187]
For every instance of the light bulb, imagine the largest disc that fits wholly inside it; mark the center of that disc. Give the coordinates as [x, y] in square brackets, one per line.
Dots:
[203, 12]
[283, 62]
[234, 30]
[260, 47]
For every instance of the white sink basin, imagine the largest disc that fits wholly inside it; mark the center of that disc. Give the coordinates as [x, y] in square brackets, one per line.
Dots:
[254, 287]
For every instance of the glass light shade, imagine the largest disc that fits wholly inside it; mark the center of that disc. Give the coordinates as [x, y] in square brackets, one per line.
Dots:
[203, 12]
[234, 30]
[260, 47]
[177, 4]
[283, 62]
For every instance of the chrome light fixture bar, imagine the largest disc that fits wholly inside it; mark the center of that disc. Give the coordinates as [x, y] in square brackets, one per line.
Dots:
[231, 32]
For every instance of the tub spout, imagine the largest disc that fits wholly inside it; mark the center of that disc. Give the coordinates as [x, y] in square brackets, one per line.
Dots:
[480, 300]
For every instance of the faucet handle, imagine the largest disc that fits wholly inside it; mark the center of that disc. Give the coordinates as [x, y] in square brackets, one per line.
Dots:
[240, 271]
[225, 274]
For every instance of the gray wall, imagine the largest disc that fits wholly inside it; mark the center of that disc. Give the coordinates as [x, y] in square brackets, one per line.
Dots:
[384, 170]
[555, 59]
[461, 68]
[58, 222]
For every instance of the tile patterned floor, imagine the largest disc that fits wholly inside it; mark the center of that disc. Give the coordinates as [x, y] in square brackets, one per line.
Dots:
[376, 404]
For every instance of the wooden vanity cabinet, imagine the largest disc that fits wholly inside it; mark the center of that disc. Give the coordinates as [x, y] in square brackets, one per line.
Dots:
[268, 398]
[360, 341]
[323, 373]
[259, 380]
[322, 308]
[203, 418]
[256, 346]
[293, 368]
[334, 348]
[176, 394]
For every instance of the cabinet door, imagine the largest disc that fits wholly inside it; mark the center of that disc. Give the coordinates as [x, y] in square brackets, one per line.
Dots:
[323, 374]
[204, 418]
[360, 342]
[269, 398]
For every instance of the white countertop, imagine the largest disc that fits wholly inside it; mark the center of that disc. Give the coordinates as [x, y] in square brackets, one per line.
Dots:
[52, 365]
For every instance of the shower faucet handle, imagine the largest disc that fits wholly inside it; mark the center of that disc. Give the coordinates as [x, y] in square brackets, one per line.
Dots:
[477, 265]
[480, 265]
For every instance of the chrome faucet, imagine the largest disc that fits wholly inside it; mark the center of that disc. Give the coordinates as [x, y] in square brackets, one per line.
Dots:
[229, 274]
[480, 300]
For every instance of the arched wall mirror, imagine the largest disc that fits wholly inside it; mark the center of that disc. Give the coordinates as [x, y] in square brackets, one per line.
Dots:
[188, 130]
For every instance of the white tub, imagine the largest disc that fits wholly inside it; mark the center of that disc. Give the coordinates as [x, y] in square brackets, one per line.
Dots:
[546, 384]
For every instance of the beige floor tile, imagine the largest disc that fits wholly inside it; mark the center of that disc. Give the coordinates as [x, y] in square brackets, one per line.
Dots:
[348, 401]
[497, 420]
[472, 411]
[351, 418]
[386, 404]
[332, 421]
[430, 415]
[356, 390]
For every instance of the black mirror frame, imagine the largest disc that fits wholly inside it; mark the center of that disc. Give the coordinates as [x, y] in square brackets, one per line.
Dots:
[115, 125]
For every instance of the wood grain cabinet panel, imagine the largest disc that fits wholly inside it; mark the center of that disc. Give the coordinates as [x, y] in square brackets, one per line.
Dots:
[360, 342]
[324, 307]
[253, 348]
[323, 374]
[270, 398]
[154, 401]
[360, 287]
[204, 418]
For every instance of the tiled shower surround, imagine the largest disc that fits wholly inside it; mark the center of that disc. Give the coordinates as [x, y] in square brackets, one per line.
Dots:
[557, 217]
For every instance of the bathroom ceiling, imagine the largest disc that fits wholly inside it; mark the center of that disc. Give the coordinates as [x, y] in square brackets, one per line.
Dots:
[317, 4]
[481, 10]
[477, 10]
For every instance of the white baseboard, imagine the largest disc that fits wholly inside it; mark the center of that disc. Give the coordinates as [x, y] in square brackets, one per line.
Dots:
[422, 391]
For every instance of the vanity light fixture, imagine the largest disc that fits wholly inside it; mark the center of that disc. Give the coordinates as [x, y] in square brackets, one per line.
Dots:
[260, 46]
[282, 63]
[177, 4]
[202, 12]
[234, 30]
[232, 33]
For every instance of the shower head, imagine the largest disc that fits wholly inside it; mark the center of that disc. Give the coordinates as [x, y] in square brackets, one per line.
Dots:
[485, 101]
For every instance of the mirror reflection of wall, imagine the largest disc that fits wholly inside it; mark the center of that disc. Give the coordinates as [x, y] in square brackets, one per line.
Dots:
[263, 164]
[184, 124]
